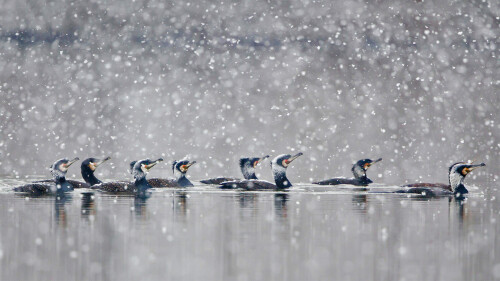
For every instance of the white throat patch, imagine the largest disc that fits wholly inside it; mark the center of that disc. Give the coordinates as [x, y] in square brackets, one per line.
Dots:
[144, 169]
[247, 170]
[277, 169]
[58, 174]
[455, 179]
[139, 173]
[358, 171]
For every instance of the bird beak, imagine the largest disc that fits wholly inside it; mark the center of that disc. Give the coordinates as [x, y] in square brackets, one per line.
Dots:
[470, 168]
[72, 161]
[190, 164]
[184, 168]
[263, 158]
[294, 157]
[153, 164]
[260, 160]
[368, 165]
[96, 164]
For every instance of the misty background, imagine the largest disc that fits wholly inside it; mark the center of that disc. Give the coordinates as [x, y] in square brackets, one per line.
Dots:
[413, 82]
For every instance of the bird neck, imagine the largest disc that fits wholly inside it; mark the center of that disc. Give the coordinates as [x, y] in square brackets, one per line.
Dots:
[280, 177]
[460, 189]
[181, 178]
[457, 183]
[179, 175]
[62, 185]
[364, 180]
[248, 172]
[89, 177]
[358, 172]
[60, 179]
[59, 176]
[142, 184]
[183, 181]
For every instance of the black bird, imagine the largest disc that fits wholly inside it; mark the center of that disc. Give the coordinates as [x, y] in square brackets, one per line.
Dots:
[139, 186]
[179, 168]
[88, 168]
[456, 176]
[359, 171]
[278, 166]
[157, 182]
[115, 186]
[58, 186]
[247, 166]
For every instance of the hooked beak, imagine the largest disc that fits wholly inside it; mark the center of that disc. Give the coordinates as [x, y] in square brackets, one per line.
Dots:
[96, 164]
[184, 168]
[190, 164]
[72, 161]
[153, 164]
[294, 157]
[260, 160]
[470, 168]
[368, 165]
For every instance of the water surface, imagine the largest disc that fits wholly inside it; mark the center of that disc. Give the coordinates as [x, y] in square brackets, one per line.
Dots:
[206, 234]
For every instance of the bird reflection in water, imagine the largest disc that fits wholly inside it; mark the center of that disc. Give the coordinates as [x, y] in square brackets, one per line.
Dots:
[140, 207]
[180, 203]
[360, 203]
[60, 210]
[140, 201]
[88, 210]
[280, 204]
[459, 206]
[247, 200]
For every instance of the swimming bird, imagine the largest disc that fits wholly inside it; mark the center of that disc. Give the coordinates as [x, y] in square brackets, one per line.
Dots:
[247, 166]
[278, 165]
[60, 184]
[359, 171]
[88, 168]
[157, 182]
[139, 186]
[179, 169]
[456, 176]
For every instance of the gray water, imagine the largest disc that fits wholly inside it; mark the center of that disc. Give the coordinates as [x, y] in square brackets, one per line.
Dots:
[203, 233]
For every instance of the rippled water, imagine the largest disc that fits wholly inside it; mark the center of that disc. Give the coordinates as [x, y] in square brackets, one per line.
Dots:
[207, 234]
